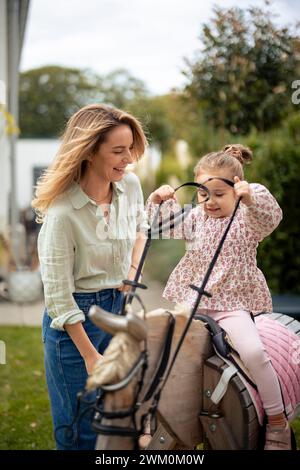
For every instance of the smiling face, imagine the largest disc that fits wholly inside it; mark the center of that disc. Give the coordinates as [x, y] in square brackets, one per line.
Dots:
[222, 196]
[113, 155]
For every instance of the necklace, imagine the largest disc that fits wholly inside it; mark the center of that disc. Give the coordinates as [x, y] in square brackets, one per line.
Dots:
[98, 201]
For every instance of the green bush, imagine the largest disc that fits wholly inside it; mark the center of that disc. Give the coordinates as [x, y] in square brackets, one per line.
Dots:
[277, 165]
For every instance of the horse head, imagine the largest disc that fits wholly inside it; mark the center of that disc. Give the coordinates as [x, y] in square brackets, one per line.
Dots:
[116, 374]
[123, 350]
[129, 383]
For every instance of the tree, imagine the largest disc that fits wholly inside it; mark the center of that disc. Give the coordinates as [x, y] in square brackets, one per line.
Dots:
[120, 88]
[50, 95]
[242, 78]
[153, 115]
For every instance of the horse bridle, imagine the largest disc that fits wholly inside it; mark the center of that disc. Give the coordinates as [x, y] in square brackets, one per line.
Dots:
[139, 367]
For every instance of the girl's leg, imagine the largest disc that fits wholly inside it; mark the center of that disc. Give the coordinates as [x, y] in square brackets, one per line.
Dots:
[246, 340]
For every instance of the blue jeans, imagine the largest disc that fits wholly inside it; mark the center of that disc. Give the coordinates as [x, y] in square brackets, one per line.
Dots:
[66, 374]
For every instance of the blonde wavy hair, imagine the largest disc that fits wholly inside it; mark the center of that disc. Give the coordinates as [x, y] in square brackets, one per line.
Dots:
[232, 157]
[85, 132]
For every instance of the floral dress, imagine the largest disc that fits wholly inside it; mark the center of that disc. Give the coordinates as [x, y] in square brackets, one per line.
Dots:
[235, 283]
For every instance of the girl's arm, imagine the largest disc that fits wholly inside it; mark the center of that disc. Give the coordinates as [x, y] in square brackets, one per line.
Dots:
[163, 193]
[182, 231]
[264, 214]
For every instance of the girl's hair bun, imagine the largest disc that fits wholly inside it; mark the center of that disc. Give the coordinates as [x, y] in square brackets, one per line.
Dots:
[238, 151]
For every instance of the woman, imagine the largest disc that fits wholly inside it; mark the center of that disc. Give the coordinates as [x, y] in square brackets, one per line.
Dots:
[91, 239]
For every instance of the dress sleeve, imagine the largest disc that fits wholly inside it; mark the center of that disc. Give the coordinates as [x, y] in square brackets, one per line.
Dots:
[264, 215]
[56, 255]
[182, 231]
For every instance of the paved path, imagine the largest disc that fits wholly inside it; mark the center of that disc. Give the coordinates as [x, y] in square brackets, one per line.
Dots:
[31, 314]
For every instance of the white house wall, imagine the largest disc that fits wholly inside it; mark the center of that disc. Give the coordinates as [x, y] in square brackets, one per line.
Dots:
[4, 150]
[32, 153]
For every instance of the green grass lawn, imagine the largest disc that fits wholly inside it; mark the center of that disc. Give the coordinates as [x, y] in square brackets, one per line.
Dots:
[24, 407]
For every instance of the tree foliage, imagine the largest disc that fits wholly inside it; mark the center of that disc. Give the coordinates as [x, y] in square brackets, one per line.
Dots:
[276, 164]
[120, 88]
[153, 112]
[242, 78]
[50, 95]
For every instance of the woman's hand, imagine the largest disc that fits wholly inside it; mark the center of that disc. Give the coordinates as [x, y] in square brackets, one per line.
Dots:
[162, 194]
[84, 345]
[130, 277]
[91, 360]
[242, 189]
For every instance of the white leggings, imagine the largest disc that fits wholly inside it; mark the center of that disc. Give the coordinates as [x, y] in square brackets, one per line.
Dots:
[245, 338]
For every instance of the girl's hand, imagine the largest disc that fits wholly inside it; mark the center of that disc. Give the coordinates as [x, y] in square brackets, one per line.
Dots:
[91, 360]
[162, 194]
[130, 277]
[242, 189]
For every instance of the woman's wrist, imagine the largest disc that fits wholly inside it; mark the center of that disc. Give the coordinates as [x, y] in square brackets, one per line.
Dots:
[90, 354]
[81, 340]
[135, 268]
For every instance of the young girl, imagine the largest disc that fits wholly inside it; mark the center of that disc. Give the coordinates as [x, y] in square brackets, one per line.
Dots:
[237, 286]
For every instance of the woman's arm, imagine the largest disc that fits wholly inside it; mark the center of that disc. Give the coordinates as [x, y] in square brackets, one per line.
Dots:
[138, 248]
[135, 258]
[56, 255]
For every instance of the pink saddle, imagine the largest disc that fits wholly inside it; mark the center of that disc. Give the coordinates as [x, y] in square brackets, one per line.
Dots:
[283, 347]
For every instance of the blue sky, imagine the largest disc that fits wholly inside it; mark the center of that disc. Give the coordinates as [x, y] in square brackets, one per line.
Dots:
[150, 38]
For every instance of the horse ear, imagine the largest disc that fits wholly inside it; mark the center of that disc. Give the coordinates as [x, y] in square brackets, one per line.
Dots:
[136, 326]
[112, 323]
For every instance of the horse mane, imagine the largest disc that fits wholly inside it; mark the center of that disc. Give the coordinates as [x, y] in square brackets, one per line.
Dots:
[120, 355]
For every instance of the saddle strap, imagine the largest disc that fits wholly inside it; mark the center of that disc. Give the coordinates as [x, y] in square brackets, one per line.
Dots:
[240, 370]
[222, 385]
